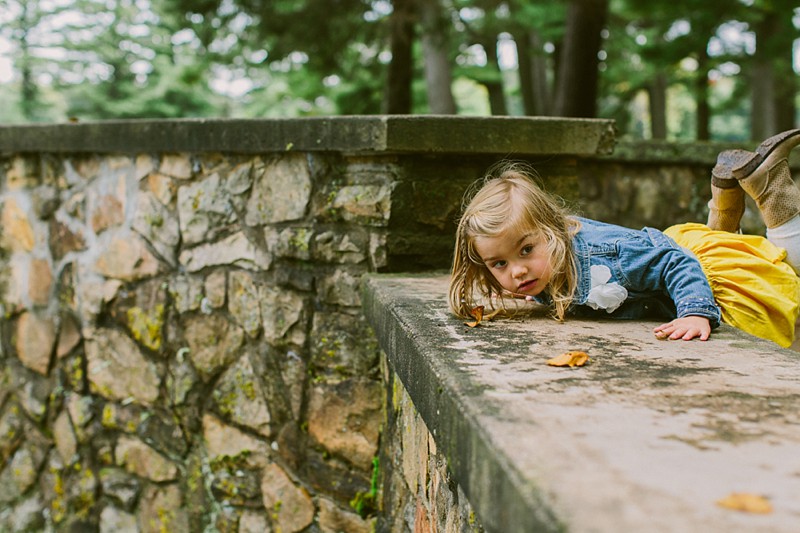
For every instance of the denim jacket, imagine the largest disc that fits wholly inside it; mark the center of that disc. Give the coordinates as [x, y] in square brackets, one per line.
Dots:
[663, 280]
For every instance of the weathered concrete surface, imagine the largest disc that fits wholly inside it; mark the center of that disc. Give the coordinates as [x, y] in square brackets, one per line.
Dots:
[347, 134]
[646, 437]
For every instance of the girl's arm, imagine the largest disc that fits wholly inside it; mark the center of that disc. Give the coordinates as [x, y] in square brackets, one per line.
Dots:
[665, 267]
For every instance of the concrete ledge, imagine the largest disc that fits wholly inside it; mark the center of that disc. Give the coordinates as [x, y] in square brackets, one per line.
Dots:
[647, 437]
[506, 136]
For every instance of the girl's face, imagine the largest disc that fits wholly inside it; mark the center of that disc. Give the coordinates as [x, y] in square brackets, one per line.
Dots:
[519, 261]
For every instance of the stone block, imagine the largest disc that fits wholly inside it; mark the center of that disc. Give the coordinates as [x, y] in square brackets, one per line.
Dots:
[140, 459]
[161, 509]
[117, 370]
[243, 301]
[18, 234]
[343, 343]
[176, 166]
[234, 251]
[213, 341]
[204, 210]
[125, 257]
[281, 191]
[291, 506]
[282, 311]
[239, 397]
[345, 419]
[35, 341]
[158, 226]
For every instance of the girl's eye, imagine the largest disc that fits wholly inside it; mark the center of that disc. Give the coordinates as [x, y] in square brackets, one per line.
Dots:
[498, 264]
[528, 248]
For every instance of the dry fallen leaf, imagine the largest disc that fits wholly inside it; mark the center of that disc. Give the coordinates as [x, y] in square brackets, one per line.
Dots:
[573, 358]
[476, 312]
[749, 503]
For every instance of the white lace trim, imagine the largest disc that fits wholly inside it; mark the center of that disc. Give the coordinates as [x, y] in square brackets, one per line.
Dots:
[605, 295]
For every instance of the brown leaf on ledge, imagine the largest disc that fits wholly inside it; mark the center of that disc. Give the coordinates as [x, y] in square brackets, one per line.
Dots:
[570, 359]
[748, 503]
[477, 313]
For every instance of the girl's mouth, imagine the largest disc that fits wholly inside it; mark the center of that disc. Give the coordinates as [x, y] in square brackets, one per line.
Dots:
[526, 285]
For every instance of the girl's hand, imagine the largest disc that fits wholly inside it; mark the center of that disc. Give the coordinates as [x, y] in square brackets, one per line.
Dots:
[686, 328]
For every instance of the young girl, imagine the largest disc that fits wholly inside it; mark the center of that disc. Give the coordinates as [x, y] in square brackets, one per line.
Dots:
[516, 241]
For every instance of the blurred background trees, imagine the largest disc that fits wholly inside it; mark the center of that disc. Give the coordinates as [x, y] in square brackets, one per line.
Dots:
[683, 69]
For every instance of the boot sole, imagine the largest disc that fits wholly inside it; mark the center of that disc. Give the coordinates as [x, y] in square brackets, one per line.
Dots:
[745, 163]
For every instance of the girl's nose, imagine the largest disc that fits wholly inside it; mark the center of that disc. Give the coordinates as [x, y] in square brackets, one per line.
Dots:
[518, 271]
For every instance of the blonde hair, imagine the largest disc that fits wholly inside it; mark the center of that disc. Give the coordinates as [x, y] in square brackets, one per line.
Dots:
[508, 198]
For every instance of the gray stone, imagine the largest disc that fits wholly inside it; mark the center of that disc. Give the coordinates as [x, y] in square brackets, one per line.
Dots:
[335, 247]
[158, 226]
[40, 282]
[281, 191]
[341, 288]
[161, 509]
[366, 204]
[292, 243]
[18, 234]
[140, 459]
[69, 336]
[186, 293]
[235, 250]
[345, 418]
[282, 311]
[213, 342]
[34, 396]
[377, 250]
[176, 166]
[224, 441]
[181, 378]
[343, 343]
[20, 474]
[240, 398]
[215, 284]
[243, 296]
[64, 436]
[113, 520]
[333, 519]
[121, 487]
[253, 522]
[35, 341]
[291, 506]
[162, 187]
[27, 515]
[239, 179]
[125, 257]
[117, 370]
[204, 210]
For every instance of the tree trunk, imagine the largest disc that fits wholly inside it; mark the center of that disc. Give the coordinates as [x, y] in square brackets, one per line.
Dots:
[494, 85]
[399, 78]
[541, 88]
[524, 68]
[774, 83]
[578, 69]
[438, 73]
[658, 106]
[703, 114]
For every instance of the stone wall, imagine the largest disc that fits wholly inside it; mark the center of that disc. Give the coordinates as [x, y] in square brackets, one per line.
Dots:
[182, 343]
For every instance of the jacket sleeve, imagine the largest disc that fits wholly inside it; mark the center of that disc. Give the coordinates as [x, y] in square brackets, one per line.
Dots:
[657, 263]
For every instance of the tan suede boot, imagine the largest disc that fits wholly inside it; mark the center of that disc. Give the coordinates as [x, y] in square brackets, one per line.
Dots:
[765, 176]
[726, 207]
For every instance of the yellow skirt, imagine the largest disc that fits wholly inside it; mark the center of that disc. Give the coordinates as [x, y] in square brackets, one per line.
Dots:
[756, 291]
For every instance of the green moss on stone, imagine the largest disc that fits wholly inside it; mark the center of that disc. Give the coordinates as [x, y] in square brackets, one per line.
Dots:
[146, 328]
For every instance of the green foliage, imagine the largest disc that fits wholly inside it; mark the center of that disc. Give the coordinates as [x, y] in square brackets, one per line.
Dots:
[102, 59]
